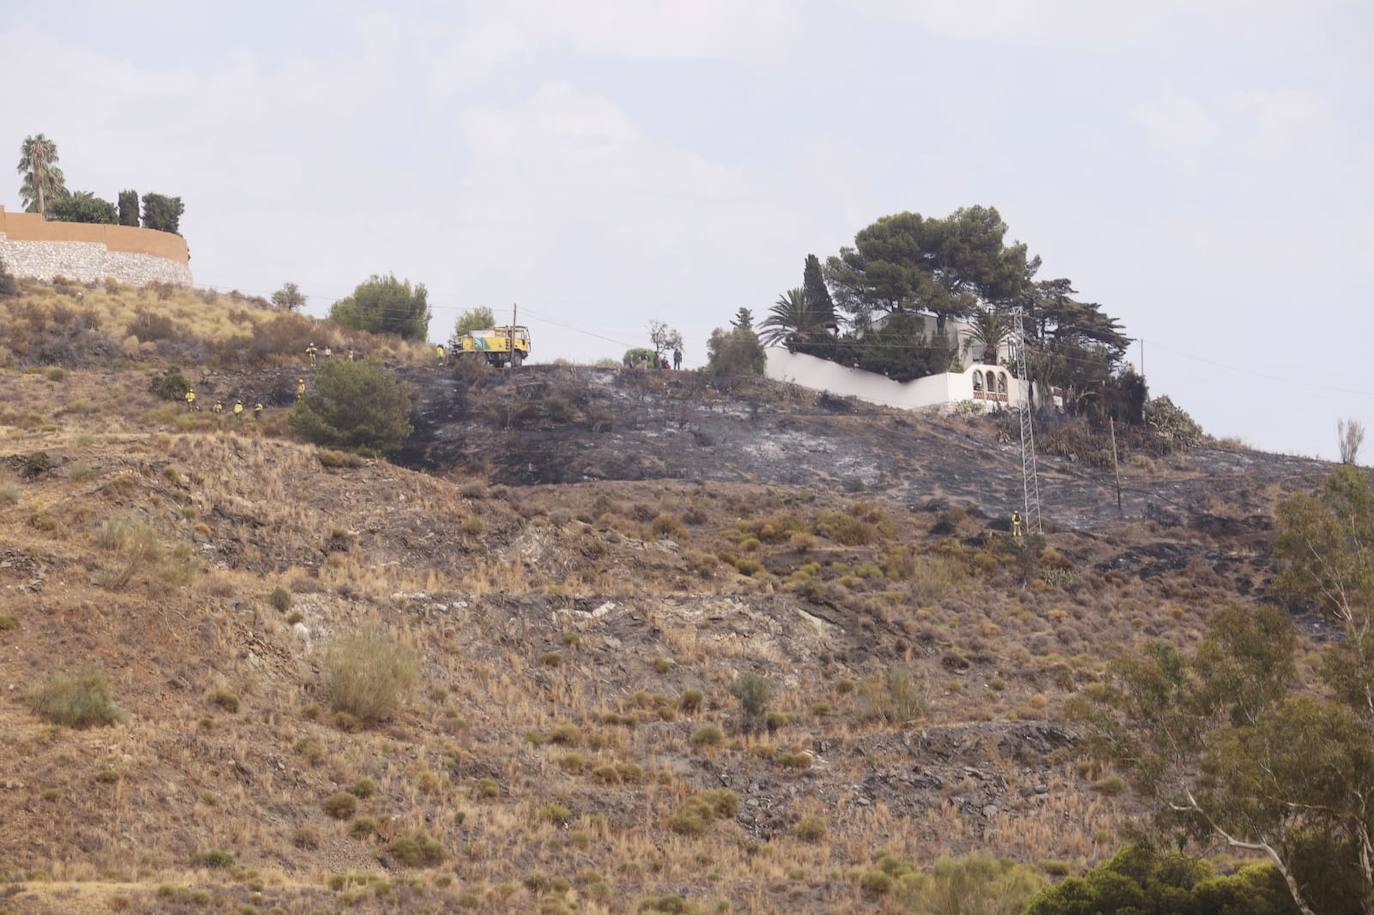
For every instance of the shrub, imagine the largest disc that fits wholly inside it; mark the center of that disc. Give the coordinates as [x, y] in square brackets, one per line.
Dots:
[810, 829]
[280, 600]
[8, 621]
[363, 788]
[875, 883]
[77, 700]
[555, 813]
[216, 858]
[362, 827]
[697, 813]
[355, 405]
[690, 701]
[225, 700]
[341, 805]
[754, 694]
[894, 697]
[9, 286]
[708, 735]
[417, 849]
[82, 206]
[368, 674]
[1111, 786]
[306, 838]
[385, 305]
[170, 385]
[1141, 878]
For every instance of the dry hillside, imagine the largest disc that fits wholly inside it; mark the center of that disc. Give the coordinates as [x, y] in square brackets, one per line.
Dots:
[583, 562]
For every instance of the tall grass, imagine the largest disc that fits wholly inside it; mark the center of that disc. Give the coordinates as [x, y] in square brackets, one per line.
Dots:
[369, 674]
[76, 700]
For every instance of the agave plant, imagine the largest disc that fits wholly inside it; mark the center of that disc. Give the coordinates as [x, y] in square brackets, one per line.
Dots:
[990, 329]
[792, 319]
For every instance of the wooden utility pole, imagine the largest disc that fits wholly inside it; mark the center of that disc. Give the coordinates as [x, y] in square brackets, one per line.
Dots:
[1116, 471]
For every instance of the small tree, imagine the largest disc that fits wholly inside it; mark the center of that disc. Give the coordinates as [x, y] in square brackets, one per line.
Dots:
[480, 318]
[128, 208]
[818, 298]
[162, 213]
[385, 305]
[754, 693]
[743, 319]
[289, 297]
[82, 206]
[355, 405]
[1351, 436]
[735, 352]
[664, 338]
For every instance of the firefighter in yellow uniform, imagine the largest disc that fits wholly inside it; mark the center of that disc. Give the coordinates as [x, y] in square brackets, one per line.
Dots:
[238, 409]
[218, 408]
[257, 412]
[300, 388]
[439, 352]
[1016, 524]
[310, 352]
[190, 399]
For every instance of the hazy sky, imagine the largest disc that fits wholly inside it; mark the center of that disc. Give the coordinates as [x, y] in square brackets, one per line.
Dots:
[1203, 169]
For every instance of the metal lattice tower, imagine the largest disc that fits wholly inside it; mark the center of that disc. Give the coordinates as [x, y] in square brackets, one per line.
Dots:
[1030, 481]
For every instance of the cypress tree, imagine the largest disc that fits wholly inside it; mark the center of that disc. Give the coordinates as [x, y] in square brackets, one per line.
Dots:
[817, 295]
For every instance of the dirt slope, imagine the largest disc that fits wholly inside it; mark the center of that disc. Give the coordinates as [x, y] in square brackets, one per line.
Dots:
[572, 554]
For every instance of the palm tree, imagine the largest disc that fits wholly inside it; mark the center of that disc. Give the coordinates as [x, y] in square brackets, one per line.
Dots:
[792, 319]
[990, 329]
[43, 181]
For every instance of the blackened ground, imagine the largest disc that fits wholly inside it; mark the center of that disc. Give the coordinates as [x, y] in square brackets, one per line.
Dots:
[559, 424]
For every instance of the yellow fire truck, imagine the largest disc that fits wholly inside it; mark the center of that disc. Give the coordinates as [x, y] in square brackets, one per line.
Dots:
[501, 345]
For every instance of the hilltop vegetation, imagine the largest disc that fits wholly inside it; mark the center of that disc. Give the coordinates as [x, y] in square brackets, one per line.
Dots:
[610, 641]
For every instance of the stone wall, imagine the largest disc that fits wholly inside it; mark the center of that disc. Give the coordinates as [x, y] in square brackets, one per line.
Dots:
[85, 261]
[33, 247]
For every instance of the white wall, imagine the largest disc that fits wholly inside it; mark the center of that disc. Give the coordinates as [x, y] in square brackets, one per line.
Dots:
[942, 390]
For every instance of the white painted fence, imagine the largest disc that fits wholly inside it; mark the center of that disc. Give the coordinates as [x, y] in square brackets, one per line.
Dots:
[986, 386]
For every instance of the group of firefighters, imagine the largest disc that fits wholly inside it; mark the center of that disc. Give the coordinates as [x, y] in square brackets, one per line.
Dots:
[238, 409]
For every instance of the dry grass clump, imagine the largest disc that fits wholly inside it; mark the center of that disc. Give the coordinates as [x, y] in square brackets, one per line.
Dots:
[141, 550]
[369, 675]
[893, 696]
[77, 700]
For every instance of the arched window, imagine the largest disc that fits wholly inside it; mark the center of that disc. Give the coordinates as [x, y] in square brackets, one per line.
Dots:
[1001, 382]
[992, 382]
[978, 382]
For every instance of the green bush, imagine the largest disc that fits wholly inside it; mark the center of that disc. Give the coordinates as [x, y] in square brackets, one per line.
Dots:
[708, 735]
[977, 883]
[417, 849]
[280, 600]
[637, 356]
[1142, 879]
[355, 405]
[77, 700]
[735, 352]
[170, 385]
[368, 674]
[9, 286]
[385, 305]
[83, 206]
[340, 805]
